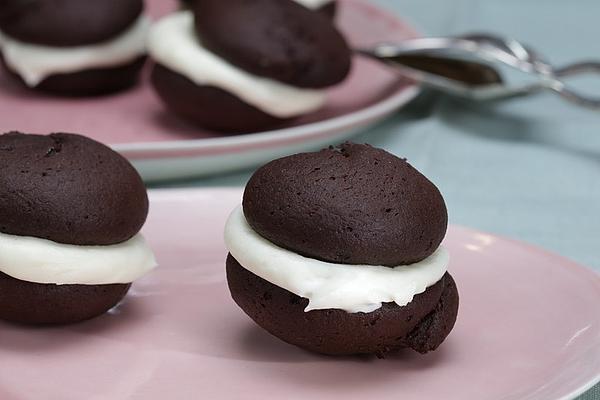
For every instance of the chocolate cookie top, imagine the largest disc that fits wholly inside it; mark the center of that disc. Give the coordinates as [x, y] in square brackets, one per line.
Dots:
[69, 189]
[277, 39]
[63, 23]
[352, 204]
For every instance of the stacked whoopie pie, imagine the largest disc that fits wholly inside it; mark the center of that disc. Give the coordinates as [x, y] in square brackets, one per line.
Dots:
[70, 214]
[74, 47]
[338, 252]
[245, 66]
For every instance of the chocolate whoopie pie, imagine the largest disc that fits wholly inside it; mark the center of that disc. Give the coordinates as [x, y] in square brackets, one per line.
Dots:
[343, 253]
[241, 66]
[74, 47]
[69, 207]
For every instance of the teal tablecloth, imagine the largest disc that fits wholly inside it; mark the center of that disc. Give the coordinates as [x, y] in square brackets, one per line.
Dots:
[528, 168]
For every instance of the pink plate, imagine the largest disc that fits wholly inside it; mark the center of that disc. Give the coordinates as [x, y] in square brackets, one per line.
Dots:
[136, 123]
[528, 328]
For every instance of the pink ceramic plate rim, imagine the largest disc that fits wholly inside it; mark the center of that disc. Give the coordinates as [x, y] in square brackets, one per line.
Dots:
[581, 270]
[271, 139]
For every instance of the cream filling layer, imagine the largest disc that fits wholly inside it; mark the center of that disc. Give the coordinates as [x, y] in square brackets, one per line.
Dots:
[43, 261]
[353, 288]
[173, 43]
[314, 4]
[34, 62]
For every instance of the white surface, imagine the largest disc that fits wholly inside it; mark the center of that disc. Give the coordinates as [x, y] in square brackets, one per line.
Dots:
[34, 62]
[173, 43]
[43, 261]
[353, 288]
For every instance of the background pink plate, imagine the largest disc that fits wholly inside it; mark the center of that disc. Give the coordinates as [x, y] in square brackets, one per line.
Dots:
[528, 328]
[164, 147]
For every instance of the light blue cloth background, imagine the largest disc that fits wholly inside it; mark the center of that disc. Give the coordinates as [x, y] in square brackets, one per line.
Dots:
[528, 168]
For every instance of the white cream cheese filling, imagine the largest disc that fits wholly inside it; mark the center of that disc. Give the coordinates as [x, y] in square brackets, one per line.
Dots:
[173, 43]
[353, 288]
[43, 261]
[35, 62]
[314, 4]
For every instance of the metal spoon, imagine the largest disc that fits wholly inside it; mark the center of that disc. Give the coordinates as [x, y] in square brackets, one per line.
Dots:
[542, 66]
[468, 67]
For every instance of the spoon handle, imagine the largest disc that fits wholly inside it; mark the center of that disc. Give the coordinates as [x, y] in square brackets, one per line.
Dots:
[582, 67]
[574, 96]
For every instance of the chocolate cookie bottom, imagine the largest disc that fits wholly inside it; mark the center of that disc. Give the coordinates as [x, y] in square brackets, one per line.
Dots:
[421, 325]
[90, 82]
[208, 106]
[47, 304]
